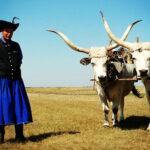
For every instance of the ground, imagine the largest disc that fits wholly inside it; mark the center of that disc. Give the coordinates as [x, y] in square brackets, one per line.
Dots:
[72, 119]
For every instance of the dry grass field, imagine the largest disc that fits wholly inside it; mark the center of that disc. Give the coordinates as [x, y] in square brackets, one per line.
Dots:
[72, 119]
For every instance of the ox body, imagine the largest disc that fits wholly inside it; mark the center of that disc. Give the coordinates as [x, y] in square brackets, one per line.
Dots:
[140, 53]
[113, 91]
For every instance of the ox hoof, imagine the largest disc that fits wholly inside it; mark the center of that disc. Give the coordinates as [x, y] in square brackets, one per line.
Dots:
[106, 124]
[121, 119]
[148, 129]
[115, 124]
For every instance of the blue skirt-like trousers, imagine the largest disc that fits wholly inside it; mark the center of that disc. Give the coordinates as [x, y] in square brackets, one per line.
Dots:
[14, 103]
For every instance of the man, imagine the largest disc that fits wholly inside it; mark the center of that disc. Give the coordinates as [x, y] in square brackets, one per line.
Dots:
[14, 104]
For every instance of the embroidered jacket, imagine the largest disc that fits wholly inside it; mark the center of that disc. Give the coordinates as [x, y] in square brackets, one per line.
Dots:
[10, 60]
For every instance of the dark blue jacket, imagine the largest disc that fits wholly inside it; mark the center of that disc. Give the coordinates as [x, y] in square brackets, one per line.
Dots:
[10, 60]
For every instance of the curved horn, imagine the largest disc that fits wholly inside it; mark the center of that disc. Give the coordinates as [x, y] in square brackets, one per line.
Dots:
[112, 36]
[69, 43]
[125, 35]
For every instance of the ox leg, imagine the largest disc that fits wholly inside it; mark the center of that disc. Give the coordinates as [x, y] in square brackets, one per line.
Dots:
[148, 127]
[105, 106]
[106, 120]
[115, 111]
[147, 90]
[148, 96]
[148, 99]
[122, 110]
[106, 111]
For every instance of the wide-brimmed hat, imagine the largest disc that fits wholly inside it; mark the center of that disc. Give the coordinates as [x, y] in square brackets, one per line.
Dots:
[10, 25]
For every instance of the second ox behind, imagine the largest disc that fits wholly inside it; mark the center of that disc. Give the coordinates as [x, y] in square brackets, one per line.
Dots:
[140, 53]
[108, 87]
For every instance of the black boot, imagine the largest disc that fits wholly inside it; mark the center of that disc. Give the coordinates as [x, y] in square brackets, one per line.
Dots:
[2, 132]
[19, 133]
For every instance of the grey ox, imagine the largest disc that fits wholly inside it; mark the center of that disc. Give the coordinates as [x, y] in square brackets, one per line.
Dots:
[108, 88]
[140, 55]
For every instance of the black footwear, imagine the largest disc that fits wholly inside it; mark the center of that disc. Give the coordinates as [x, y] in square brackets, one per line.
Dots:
[1, 138]
[2, 132]
[20, 139]
[19, 133]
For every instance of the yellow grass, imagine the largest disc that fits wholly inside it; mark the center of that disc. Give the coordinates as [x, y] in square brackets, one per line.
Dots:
[72, 119]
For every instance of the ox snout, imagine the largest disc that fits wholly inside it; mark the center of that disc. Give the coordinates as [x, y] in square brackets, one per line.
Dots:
[102, 78]
[143, 73]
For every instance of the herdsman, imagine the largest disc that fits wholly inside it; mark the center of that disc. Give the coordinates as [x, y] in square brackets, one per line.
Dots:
[14, 104]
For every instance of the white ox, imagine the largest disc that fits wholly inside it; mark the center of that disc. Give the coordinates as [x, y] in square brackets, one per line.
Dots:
[115, 90]
[140, 55]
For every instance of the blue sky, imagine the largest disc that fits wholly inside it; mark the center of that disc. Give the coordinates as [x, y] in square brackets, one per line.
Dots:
[47, 60]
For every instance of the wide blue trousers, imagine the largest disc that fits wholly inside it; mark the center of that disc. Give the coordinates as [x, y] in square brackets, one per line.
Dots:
[14, 103]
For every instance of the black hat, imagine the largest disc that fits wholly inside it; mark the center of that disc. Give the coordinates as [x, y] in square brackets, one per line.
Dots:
[10, 25]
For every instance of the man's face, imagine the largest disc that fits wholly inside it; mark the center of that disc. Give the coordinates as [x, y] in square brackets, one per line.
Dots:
[7, 34]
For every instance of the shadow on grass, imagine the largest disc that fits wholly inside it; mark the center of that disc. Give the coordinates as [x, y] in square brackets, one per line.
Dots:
[40, 137]
[135, 122]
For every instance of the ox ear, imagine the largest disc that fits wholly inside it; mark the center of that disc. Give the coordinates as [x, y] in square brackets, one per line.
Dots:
[128, 58]
[111, 56]
[85, 61]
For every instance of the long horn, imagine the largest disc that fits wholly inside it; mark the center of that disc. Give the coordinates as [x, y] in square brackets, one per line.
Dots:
[125, 35]
[69, 43]
[113, 37]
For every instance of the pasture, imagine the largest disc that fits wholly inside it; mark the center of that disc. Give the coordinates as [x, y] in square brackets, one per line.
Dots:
[72, 119]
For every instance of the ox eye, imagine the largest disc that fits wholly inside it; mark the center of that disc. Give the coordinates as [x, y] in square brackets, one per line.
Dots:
[92, 63]
[148, 59]
[133, 59]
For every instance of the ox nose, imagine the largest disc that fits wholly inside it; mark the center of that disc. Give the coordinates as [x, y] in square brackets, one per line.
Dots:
[143, 72]
[102, 78]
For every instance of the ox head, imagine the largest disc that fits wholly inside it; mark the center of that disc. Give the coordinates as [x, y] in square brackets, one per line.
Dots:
[140, 52]
[98, 56]
[100, 59]
[141, 58]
